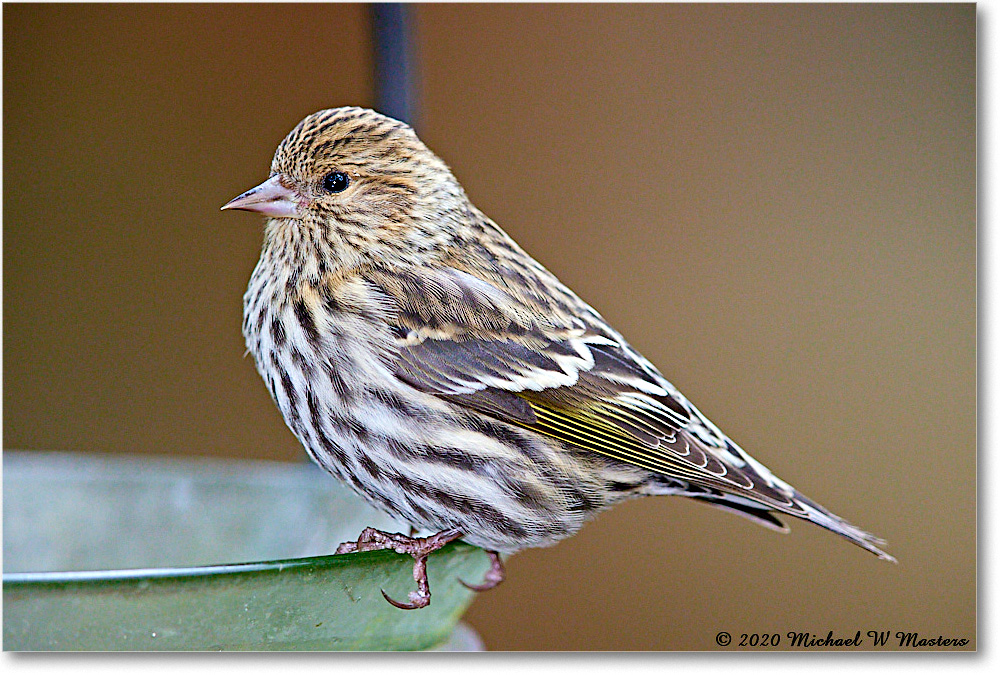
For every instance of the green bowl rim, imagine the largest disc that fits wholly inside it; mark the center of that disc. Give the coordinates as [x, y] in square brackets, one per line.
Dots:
[15, 579]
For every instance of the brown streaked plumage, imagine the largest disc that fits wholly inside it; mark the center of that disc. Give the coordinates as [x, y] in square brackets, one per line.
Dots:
[431, 364]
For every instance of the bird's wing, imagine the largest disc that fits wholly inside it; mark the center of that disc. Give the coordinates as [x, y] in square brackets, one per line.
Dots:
[546, 368]
[466, 339]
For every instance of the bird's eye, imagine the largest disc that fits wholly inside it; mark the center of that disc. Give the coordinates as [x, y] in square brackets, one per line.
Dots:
[336, 181]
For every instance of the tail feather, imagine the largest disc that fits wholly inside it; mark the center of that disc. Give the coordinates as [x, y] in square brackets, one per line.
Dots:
[772, 495]
[809, 510]
[762, 517]
[820, 516]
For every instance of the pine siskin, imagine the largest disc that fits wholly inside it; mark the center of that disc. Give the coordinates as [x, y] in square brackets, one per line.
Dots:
[424, 359]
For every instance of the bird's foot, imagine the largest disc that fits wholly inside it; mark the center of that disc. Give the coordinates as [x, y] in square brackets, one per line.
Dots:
[494, 575]
[418, 547]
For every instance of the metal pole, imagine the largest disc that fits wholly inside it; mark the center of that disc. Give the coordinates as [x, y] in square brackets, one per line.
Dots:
[395, 63]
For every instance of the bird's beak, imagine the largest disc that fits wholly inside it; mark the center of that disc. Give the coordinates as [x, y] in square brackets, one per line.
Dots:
[270, 198]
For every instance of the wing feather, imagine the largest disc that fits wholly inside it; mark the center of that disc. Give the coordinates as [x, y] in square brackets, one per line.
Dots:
[487, 348]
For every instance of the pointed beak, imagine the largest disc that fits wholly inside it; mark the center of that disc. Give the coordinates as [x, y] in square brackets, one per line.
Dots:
[270, 198]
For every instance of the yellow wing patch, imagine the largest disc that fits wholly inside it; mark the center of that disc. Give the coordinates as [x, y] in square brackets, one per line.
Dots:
[675, 455]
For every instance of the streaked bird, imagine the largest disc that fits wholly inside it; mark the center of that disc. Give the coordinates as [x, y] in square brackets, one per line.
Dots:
[428, 362]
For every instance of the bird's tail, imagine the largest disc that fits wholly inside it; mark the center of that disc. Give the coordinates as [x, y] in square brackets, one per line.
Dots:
[817, 514]
[807, 510]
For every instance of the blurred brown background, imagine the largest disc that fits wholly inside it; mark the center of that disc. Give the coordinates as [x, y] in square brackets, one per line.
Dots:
[776, 204]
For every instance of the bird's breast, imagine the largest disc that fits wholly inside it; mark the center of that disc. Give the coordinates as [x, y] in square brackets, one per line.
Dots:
[318, 344]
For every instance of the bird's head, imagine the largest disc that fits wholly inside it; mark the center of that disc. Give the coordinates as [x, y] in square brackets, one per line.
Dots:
[358, 176]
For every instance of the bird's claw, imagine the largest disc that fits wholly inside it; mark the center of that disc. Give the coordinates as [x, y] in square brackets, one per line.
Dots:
[494, 575]
[418, 547]
[417, 600]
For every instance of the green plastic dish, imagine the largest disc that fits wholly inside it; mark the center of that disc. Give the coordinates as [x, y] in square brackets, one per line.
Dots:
[109, 552]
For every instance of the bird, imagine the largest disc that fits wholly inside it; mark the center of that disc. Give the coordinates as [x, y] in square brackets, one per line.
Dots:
[427, 361]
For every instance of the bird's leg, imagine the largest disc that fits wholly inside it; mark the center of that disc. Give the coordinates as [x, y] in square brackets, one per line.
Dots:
[418, 547]
[494, 575]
